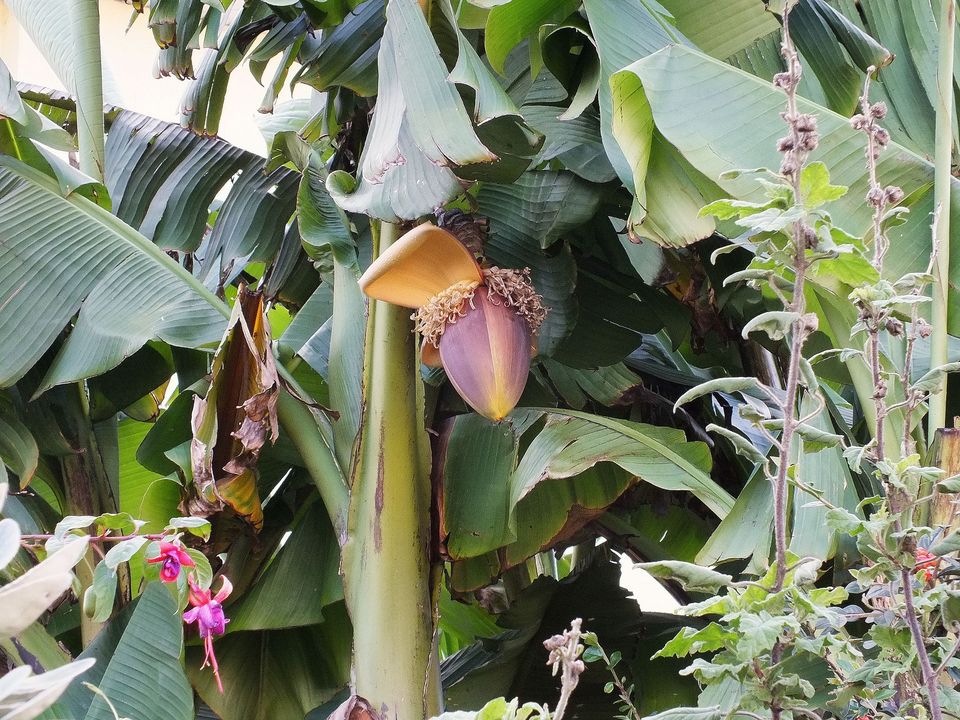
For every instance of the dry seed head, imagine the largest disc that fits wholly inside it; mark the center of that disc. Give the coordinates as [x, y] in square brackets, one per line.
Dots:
[445, 307]
[892, 194]
[514, 289]
[875, 196]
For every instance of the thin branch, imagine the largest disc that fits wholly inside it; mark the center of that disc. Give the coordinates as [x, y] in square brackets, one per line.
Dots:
[817, 494]
[926, 668]
[31, 540]
[796, 147]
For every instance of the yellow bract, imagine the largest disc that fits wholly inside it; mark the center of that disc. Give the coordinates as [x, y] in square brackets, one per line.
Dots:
[420, 265]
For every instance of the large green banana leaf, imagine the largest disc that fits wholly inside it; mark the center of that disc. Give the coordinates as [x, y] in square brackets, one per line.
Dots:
[652, 98]
[137, 665]
[61, 255]
[498, 509]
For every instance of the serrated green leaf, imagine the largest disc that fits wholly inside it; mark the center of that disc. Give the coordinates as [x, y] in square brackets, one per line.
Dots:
[691, 641]
[815, 187]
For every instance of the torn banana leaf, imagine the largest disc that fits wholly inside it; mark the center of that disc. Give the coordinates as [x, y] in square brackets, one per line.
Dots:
[236, 418]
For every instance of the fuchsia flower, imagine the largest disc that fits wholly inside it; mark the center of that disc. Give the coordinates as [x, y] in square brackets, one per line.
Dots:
[173, 557]
[207, 612]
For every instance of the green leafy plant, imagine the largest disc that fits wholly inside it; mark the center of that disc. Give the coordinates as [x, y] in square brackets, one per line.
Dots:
[788, 645]
[24, 694]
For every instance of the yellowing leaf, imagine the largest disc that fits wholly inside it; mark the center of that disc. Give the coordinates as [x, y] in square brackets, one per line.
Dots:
[237, 417]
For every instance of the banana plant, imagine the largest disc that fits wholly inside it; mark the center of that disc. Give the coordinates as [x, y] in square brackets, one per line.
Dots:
[364, 482]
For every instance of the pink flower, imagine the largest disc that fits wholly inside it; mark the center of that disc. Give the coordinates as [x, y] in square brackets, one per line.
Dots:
[172, 556]
[207, 612]
[486, 355]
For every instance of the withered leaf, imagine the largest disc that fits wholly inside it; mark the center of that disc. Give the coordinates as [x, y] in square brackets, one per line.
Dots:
[237, 417]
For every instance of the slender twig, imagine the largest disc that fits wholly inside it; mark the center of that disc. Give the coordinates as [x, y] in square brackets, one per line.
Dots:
[31, 539]
[918, 328]
[926, 668]
[879, 198]
[817, 494]
[622, 689]
[796, 147]
[877, 320]
[818, 408]
[806, 713]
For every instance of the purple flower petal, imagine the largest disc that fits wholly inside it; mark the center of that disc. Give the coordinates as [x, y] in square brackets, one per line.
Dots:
[486, 355]
[170, 570]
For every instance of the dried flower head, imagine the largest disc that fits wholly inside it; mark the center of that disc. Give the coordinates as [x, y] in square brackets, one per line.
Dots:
[564, 658]
[445, 307]
[515, 290]
[892, 194]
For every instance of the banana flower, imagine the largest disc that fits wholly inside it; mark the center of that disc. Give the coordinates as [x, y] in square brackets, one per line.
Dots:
[478, 323]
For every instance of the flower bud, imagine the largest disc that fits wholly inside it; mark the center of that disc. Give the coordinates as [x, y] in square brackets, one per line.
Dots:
[486, 354]
[892, 194]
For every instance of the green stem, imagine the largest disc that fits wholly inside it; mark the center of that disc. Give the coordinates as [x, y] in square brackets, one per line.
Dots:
[943, 152]
[298, 422]
[386, 561]
[88, 78]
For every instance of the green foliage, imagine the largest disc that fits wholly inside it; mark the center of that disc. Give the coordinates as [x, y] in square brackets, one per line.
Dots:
[655, 413]
[24, 694]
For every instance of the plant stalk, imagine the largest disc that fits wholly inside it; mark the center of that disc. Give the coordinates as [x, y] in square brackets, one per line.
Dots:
[943, 156]
[88, 78]
[386, 561]
[798, 305]
[298, 422]
[926, 668]
[86, 485]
